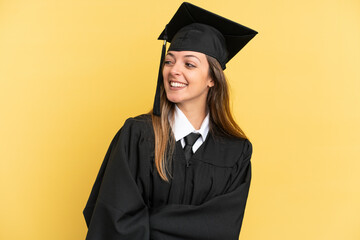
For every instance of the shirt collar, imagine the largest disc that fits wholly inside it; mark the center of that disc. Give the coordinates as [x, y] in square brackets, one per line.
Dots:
[181, 126]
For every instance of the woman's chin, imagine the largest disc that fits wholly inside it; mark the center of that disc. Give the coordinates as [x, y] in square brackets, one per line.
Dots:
[174, 99]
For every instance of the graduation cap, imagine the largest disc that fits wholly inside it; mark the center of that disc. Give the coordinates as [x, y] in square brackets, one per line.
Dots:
[195, 29]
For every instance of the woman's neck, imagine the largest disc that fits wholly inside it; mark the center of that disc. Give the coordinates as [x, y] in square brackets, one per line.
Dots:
[195, 115]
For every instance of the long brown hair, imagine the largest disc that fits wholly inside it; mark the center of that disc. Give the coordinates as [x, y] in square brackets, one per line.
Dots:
[221, 119]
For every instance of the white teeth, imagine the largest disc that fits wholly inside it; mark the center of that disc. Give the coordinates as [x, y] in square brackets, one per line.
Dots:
[177, 84]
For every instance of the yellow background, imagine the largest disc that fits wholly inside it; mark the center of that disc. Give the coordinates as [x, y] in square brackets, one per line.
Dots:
[72, 71]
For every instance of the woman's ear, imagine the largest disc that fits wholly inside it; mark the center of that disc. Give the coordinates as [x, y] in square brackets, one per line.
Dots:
[211, 83]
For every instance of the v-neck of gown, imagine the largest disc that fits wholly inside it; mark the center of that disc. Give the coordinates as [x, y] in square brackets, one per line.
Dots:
[180, 149]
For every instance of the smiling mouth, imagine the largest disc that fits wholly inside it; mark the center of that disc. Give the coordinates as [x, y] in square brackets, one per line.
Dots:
[177, 84]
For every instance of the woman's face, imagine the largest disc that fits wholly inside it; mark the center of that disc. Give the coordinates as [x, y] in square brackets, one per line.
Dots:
[186, 77]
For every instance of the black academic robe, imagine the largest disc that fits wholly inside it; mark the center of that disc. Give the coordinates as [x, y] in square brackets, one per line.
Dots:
[205, 198]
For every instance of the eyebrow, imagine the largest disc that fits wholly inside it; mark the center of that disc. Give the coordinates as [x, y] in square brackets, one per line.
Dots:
[185, 56]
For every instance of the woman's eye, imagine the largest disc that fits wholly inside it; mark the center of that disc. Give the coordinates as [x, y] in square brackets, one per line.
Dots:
[189, 65]
[167, 62]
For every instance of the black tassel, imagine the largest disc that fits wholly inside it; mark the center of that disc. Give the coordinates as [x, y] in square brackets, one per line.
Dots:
[156, 108]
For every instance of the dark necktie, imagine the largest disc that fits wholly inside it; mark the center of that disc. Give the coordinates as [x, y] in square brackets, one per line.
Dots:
[189, 142]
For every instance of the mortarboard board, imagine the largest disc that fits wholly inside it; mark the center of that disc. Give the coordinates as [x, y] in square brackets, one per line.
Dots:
[195, 29]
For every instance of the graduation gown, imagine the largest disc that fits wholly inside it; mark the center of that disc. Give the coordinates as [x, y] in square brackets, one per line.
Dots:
[205, 199]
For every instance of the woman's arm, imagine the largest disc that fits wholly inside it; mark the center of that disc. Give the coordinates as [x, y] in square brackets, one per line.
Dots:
[115, 209]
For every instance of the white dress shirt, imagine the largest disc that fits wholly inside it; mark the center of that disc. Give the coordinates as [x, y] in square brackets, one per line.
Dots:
[181, 127]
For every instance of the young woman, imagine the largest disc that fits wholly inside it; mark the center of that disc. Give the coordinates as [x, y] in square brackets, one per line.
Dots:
[182, 171]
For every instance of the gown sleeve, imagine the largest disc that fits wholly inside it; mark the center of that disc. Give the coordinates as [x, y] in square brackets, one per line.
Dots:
[218, 218]
[116, 209]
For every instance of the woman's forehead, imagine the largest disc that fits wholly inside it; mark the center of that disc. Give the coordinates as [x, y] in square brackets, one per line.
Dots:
[186, 54]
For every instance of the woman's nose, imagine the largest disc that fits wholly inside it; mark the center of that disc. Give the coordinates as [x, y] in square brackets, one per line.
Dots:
[175, 69]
